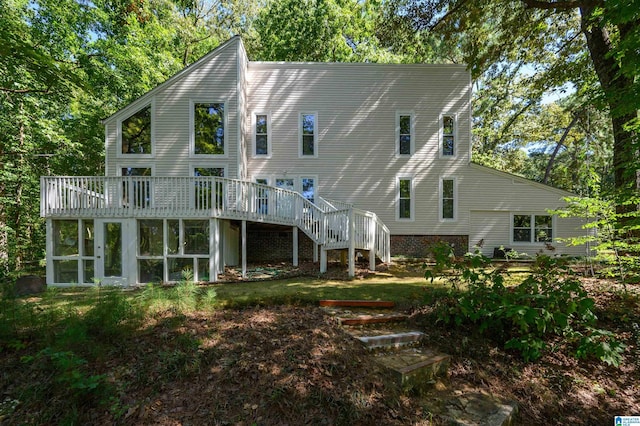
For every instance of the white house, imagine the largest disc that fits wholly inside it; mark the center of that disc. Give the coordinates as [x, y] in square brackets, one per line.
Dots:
[231, 160]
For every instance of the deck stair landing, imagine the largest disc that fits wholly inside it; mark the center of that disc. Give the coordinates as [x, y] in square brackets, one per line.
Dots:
[417, 368]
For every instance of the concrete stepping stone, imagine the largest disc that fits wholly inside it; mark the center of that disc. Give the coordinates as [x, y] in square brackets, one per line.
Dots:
[391, 340]
[480, 409]
[415, 368]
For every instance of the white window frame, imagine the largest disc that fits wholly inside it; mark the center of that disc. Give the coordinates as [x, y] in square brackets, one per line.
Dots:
[315, 185]
[412, 195]
[192, 133]
[441, 199]
[119, 153]
[201, 165]
[532, 227]
[315, 134]
[441, 135]
[254, 135]
[412, 127]
[119, 168]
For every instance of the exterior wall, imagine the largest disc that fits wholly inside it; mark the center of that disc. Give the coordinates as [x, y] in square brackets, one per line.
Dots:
[356, 106]
[214, 78]
[269, 245]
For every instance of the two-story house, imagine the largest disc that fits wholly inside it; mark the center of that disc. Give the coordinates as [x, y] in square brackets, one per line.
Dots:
[231, 161]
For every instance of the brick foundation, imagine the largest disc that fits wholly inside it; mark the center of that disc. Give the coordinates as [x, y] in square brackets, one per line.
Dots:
[276, 245]
[419, 245]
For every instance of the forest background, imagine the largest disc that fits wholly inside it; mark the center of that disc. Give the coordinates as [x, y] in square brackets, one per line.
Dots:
[556, 87]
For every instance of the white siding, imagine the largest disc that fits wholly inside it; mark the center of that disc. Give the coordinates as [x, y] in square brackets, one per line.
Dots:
[356, 107]
[213, 78]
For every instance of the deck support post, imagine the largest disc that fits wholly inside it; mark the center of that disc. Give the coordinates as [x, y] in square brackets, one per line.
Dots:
[323, 260]
[372, 250]
[244, 249]
[214, 249]
[315, 253]
[295, 246]
[352, 244]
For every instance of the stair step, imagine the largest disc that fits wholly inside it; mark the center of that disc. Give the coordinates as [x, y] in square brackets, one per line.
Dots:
[372, 319]
[415, 369]
[359, 303]
[391, 340]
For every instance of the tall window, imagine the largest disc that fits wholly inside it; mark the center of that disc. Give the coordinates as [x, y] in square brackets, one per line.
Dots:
[136, 132]
[448, 135]
[529, 228]
[208, 129]
[405, 202]
[448, 199]
[308, 135]
[404, 133]
[262, 197]
[262, 139]
[136, 192]
[308, 188]
[205, 188]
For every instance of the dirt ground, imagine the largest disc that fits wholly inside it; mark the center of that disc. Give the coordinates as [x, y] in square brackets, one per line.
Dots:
[294, 365]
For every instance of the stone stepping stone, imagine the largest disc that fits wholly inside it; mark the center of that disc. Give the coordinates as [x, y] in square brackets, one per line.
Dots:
[391, 340]
[477, 408]
[415, 368]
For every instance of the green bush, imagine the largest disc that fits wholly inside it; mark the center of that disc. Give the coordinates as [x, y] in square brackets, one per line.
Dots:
[550, 302]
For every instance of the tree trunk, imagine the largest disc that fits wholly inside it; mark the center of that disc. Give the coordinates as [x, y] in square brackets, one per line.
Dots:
[560, 143]
[615, 86]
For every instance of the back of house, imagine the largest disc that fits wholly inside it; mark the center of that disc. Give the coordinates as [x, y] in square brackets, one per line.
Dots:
[232, 161]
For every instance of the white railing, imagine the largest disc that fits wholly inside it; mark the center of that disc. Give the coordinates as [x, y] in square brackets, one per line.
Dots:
[187, 197]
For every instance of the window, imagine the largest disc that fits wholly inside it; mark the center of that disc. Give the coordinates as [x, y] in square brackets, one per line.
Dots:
[447, 200]
[208, 128]
[73, 251]
[405, 199]
[404, 133]
[150, 250]
[137, 191]
[308, 188]
[135, 133]
[205, 187]
[262, 197]
[262, 135]
[448, 135]
[187, 249]
[308, 135]
[532, 228]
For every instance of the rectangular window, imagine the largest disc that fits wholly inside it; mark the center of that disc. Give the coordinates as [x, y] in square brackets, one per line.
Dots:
[308, 188]
[405, 192]
[208, 128]
[448, 199]
[308, 135]
[532, 228]
[404, 133]
[448, 135]
[150, 237]
[135, 132]
[137, 191]
[73, 251]
[262, 197]
[187, 243]
[204, 188]
[262, 135]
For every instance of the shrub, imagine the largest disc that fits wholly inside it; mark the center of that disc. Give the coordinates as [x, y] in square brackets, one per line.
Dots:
[550, 302]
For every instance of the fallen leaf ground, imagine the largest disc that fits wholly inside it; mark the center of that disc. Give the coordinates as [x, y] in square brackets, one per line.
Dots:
[293, 365]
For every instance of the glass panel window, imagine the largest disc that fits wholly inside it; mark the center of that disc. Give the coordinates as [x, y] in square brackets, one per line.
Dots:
[136, 132]
[179, 267]
[208, 128]
[173, 236]
[196, 237]
[543, 231]
[150, 270]
[150, 238]
[448, 201]
[262, 197]
[308, 125]
[203, 269]
[448, 135]
[404, 197]
[112, 249]
[262, 134]
[405, 135]
[308, 189]
[89, 271]
[65, 271]
[136, 192]
[88, 240]
[65, 239]
[202, 194]
[522, 228]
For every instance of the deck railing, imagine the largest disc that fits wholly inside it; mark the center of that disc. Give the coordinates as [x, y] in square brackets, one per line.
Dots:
[197, 197]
